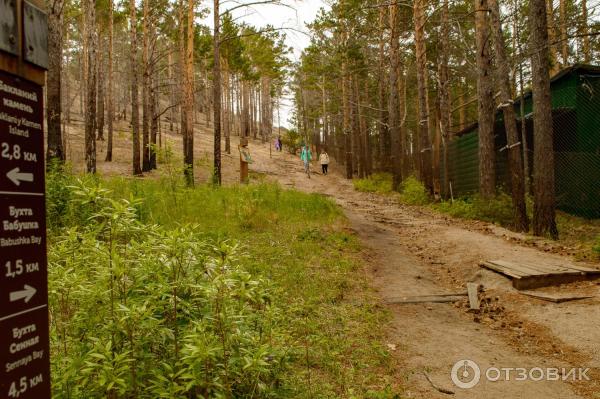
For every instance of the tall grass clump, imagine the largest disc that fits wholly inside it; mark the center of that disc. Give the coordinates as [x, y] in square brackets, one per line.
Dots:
[376, 183]
[157, 290]
[494, 210]
[413, 192]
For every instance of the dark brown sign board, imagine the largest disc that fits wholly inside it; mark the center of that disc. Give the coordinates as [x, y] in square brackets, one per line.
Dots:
[24, 335]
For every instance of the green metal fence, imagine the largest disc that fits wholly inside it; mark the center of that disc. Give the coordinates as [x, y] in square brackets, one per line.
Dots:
[576, 121]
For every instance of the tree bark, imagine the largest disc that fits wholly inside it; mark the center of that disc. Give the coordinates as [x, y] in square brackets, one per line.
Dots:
[584, 32]
[563, 33]
[424, 147]
[135, 122]
[393, 99]
[487, 165]
[101, 95]
[146, 117]
[444, 92]
[384, 137]
[188, 138]
[552, 37]
[347, 130]
[109, 98]
[217, 93]
[55, 150]
[515, 162]
[543, 158]
[90, 115]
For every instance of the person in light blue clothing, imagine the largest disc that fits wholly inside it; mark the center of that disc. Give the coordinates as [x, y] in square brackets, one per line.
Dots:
[306, 157]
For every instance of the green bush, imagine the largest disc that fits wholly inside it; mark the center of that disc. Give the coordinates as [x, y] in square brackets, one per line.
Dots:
[413, 192]
[377, 183]
[291, 140]
[496, 210]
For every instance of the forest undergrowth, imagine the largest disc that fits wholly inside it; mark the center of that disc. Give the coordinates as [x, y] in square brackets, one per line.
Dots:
[157, 290]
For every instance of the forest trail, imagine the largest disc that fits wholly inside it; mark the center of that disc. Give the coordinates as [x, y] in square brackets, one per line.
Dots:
[411, 251]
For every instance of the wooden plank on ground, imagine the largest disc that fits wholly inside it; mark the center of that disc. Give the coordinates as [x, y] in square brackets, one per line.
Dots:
[549, 268]
[556, 298]
[473, 289]
[426, 299]
[500, 269]
[525, 270]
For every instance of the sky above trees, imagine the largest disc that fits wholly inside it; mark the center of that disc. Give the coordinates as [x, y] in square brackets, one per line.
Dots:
[291, 16]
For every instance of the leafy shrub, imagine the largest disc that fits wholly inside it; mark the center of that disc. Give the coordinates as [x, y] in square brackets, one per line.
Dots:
[596, 247]
[495, 210]
[377, 183]
[291, 140]
[413, 192]
[156, 313]
[58, 194]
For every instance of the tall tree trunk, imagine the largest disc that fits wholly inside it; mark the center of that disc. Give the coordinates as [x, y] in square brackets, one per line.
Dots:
[188, 139]
[146, 117]
[487, 165]
[393, 98]
[563, 33]
[109, 98]
[90, 115]
[515, 162]
[217, 93]
[154, 118]
[366, 140]
[227, 109]
[55, 149]
[424, 120]
[444, 91]
[135, 122]
[384, 133]
[552, 37]
[101, 94]
[347, 129]
[543, 158]
[584, 32]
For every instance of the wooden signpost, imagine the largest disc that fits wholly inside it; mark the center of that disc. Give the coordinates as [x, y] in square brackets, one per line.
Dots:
[24, 330]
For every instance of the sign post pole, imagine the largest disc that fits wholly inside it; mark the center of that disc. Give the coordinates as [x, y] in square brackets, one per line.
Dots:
[24, 327]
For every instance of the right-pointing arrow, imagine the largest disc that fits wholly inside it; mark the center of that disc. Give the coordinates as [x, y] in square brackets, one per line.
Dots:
[27, 293]
[16, 176]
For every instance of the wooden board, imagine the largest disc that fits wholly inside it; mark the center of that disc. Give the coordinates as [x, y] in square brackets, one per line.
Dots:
[473, 289]
[440, 298]
[555, 297]
[525, 274]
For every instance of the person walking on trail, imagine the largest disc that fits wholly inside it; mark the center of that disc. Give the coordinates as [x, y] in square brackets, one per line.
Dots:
[324, 161]
[277, 144]
[306, 157]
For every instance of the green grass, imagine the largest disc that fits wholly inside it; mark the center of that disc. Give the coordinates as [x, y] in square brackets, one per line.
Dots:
[325, 326]
[380, 183]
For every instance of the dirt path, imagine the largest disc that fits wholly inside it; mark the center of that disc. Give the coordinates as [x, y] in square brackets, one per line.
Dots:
[414, 252]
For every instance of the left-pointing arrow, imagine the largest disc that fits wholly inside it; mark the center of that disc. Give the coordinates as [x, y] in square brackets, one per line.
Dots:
[16, 176]
[27, 293]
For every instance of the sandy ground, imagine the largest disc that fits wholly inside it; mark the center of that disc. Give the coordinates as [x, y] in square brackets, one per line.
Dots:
[411, 251]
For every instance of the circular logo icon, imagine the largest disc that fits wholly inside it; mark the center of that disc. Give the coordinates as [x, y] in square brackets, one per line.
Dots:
[465, 374]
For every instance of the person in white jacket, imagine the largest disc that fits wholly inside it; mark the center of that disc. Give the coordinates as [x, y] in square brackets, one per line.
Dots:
[324, 161]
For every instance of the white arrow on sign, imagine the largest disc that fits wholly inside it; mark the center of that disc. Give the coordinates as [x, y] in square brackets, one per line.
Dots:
[16, 176]
[27, 293]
